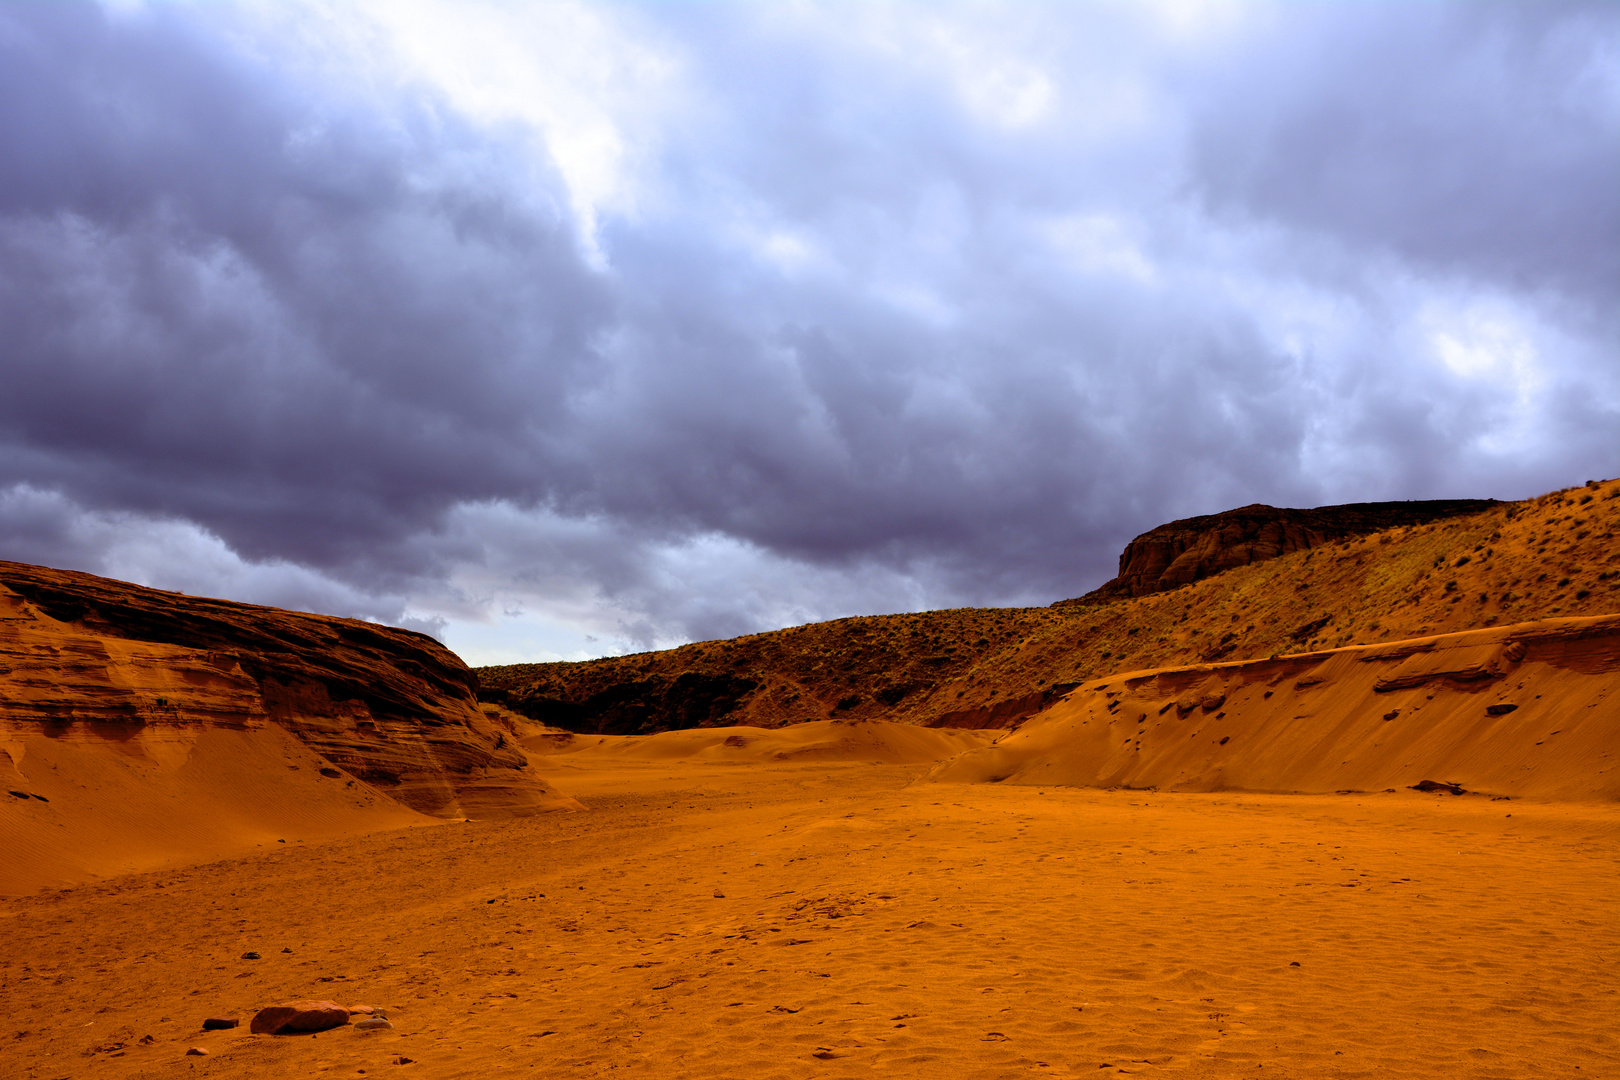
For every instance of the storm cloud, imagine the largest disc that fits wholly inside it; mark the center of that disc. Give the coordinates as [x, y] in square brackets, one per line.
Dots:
[564, 329]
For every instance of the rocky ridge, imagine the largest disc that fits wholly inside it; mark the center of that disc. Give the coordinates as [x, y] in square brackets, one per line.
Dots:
[1182, 552]
[1510, 562]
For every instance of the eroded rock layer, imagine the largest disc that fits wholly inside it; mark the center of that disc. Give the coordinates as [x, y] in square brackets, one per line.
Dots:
[90, 657]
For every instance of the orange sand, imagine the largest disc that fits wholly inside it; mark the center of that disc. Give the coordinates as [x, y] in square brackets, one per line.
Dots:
[791, 919]
[872, 741]
[101, 805]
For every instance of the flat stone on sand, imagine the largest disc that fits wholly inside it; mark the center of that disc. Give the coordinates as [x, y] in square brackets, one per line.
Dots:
[298, 1016]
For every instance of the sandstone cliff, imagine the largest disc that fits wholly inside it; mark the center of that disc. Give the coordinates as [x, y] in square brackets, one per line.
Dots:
[1192, 549]
[87, 658]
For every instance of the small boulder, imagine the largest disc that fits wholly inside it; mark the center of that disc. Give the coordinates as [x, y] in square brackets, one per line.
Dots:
[298, 1016]
[196, 1051]
[220, 1023]
[375, 1022]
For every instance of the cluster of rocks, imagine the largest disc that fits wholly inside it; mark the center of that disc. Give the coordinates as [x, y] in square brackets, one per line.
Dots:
[303, 1017]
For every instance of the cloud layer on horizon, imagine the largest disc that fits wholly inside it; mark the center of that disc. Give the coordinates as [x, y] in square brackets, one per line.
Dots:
[572, 328]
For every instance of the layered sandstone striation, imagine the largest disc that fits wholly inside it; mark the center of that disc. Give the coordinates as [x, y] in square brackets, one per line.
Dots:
[1189, 550]
[86, 659]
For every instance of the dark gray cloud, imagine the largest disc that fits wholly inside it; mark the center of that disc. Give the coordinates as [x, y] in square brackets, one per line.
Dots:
[919, 306]
[1475, 140]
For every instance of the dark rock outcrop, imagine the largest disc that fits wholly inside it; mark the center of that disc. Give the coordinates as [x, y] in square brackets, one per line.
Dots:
[641, 706]
[1192, 549]
[390, 707]
[1003, 714]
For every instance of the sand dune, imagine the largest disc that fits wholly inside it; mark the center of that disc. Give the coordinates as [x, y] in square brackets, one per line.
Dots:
[79, 806]
[822, 740]
[1531, 709]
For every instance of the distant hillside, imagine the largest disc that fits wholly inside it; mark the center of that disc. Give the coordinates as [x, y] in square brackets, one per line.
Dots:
[1507, 563]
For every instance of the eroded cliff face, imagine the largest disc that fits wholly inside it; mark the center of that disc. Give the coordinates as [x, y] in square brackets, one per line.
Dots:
[1192, 549]
[83, 657]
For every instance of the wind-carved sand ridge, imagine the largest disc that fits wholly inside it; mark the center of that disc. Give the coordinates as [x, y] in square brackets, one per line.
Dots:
[1192, 869]
[1527, 710]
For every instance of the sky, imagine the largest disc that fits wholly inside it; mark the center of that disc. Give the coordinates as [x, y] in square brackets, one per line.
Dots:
[569, 329]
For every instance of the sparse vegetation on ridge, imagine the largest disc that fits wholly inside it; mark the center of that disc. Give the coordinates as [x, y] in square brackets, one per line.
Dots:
[1550, 556]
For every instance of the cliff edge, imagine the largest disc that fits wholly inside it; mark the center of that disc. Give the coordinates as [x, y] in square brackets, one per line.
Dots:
[1182, 552]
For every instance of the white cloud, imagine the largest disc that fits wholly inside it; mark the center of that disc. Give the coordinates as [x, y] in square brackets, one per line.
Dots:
[589, 81]
[1100, 243]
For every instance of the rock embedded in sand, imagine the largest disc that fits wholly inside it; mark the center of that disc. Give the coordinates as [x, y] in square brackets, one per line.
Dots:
[299, 1016]
[220, 1023]
[1439, 785]
[196, 1051]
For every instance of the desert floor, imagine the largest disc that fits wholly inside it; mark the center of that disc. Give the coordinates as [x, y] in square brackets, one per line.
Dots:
[807, 920]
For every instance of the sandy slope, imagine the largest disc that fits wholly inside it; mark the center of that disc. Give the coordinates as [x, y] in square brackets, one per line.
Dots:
[1531, 709]
[710, 919]
[99, 806]
[145, 729]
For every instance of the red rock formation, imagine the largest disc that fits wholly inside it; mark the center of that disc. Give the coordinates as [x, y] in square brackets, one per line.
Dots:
[388, 706]
[1191, 549]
